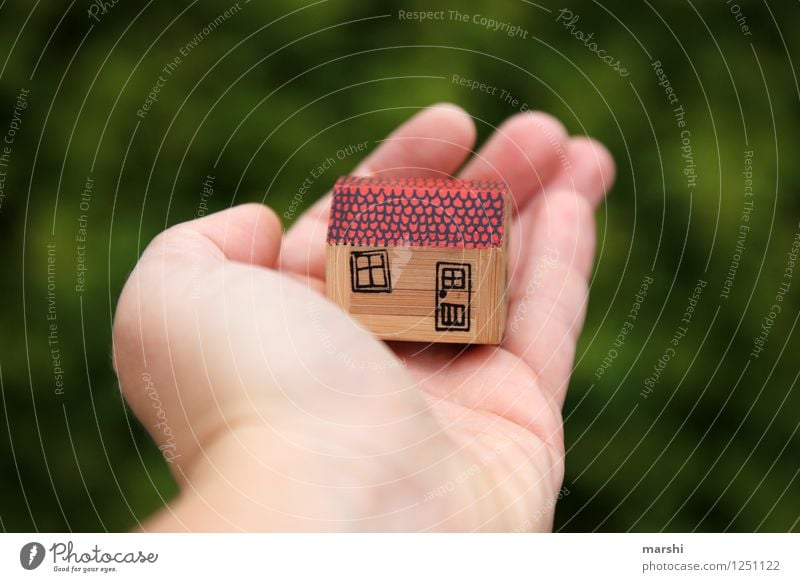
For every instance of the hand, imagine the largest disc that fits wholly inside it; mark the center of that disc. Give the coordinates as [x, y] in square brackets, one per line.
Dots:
[277, 412]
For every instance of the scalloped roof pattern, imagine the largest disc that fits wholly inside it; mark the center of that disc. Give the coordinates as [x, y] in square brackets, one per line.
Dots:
[434, 212]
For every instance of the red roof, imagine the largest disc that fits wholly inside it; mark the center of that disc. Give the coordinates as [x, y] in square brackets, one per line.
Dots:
[437, 212]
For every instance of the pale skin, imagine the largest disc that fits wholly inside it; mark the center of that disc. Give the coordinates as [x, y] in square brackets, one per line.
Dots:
[277, 413]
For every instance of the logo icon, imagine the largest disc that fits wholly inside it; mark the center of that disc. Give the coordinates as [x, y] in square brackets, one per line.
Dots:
[31, 555]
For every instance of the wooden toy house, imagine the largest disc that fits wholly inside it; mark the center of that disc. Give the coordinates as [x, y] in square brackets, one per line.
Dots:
[420, 259]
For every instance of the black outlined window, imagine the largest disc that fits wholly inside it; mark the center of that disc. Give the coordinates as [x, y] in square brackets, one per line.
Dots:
[369, 271]
[453, 278]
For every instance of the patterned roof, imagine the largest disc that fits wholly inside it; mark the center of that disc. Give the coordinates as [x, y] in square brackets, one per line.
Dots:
[437, 212]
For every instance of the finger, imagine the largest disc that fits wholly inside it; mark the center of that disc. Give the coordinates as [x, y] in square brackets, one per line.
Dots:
[547, 302]
[590, 170]
[525, 152]
[249, 233]
[435, 141]
[262, 395]
[173, 271]
[204, 344]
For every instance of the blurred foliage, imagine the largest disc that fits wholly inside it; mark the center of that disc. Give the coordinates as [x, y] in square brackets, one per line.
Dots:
[280, 86]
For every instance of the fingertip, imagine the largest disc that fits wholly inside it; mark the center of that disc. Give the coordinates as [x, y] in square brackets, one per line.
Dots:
[446, 122]
[247, 233]
[433, 142]
[526, 151]
[265, 233]
[555, 264]
[569, 226]
[567, 208]
[456, 118]
[545, 123]
[598, 163]
[528, 126]
[261, 214]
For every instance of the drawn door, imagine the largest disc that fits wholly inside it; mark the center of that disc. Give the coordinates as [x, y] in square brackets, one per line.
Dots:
[453, 296]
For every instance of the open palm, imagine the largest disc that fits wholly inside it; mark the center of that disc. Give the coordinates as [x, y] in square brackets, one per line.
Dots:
[277, 412]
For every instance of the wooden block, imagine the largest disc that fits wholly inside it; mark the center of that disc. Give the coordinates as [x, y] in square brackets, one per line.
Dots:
[419, 259]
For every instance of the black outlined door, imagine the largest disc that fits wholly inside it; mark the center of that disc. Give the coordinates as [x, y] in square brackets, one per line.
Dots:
[453, 296]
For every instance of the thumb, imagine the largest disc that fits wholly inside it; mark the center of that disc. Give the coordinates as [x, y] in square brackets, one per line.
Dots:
[274, 410]
[150, 341]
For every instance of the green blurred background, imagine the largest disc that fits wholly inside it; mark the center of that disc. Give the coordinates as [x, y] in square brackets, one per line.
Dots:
[278, 87]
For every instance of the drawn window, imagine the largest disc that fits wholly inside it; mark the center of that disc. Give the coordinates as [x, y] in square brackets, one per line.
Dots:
[369, 271]
[453, 278]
